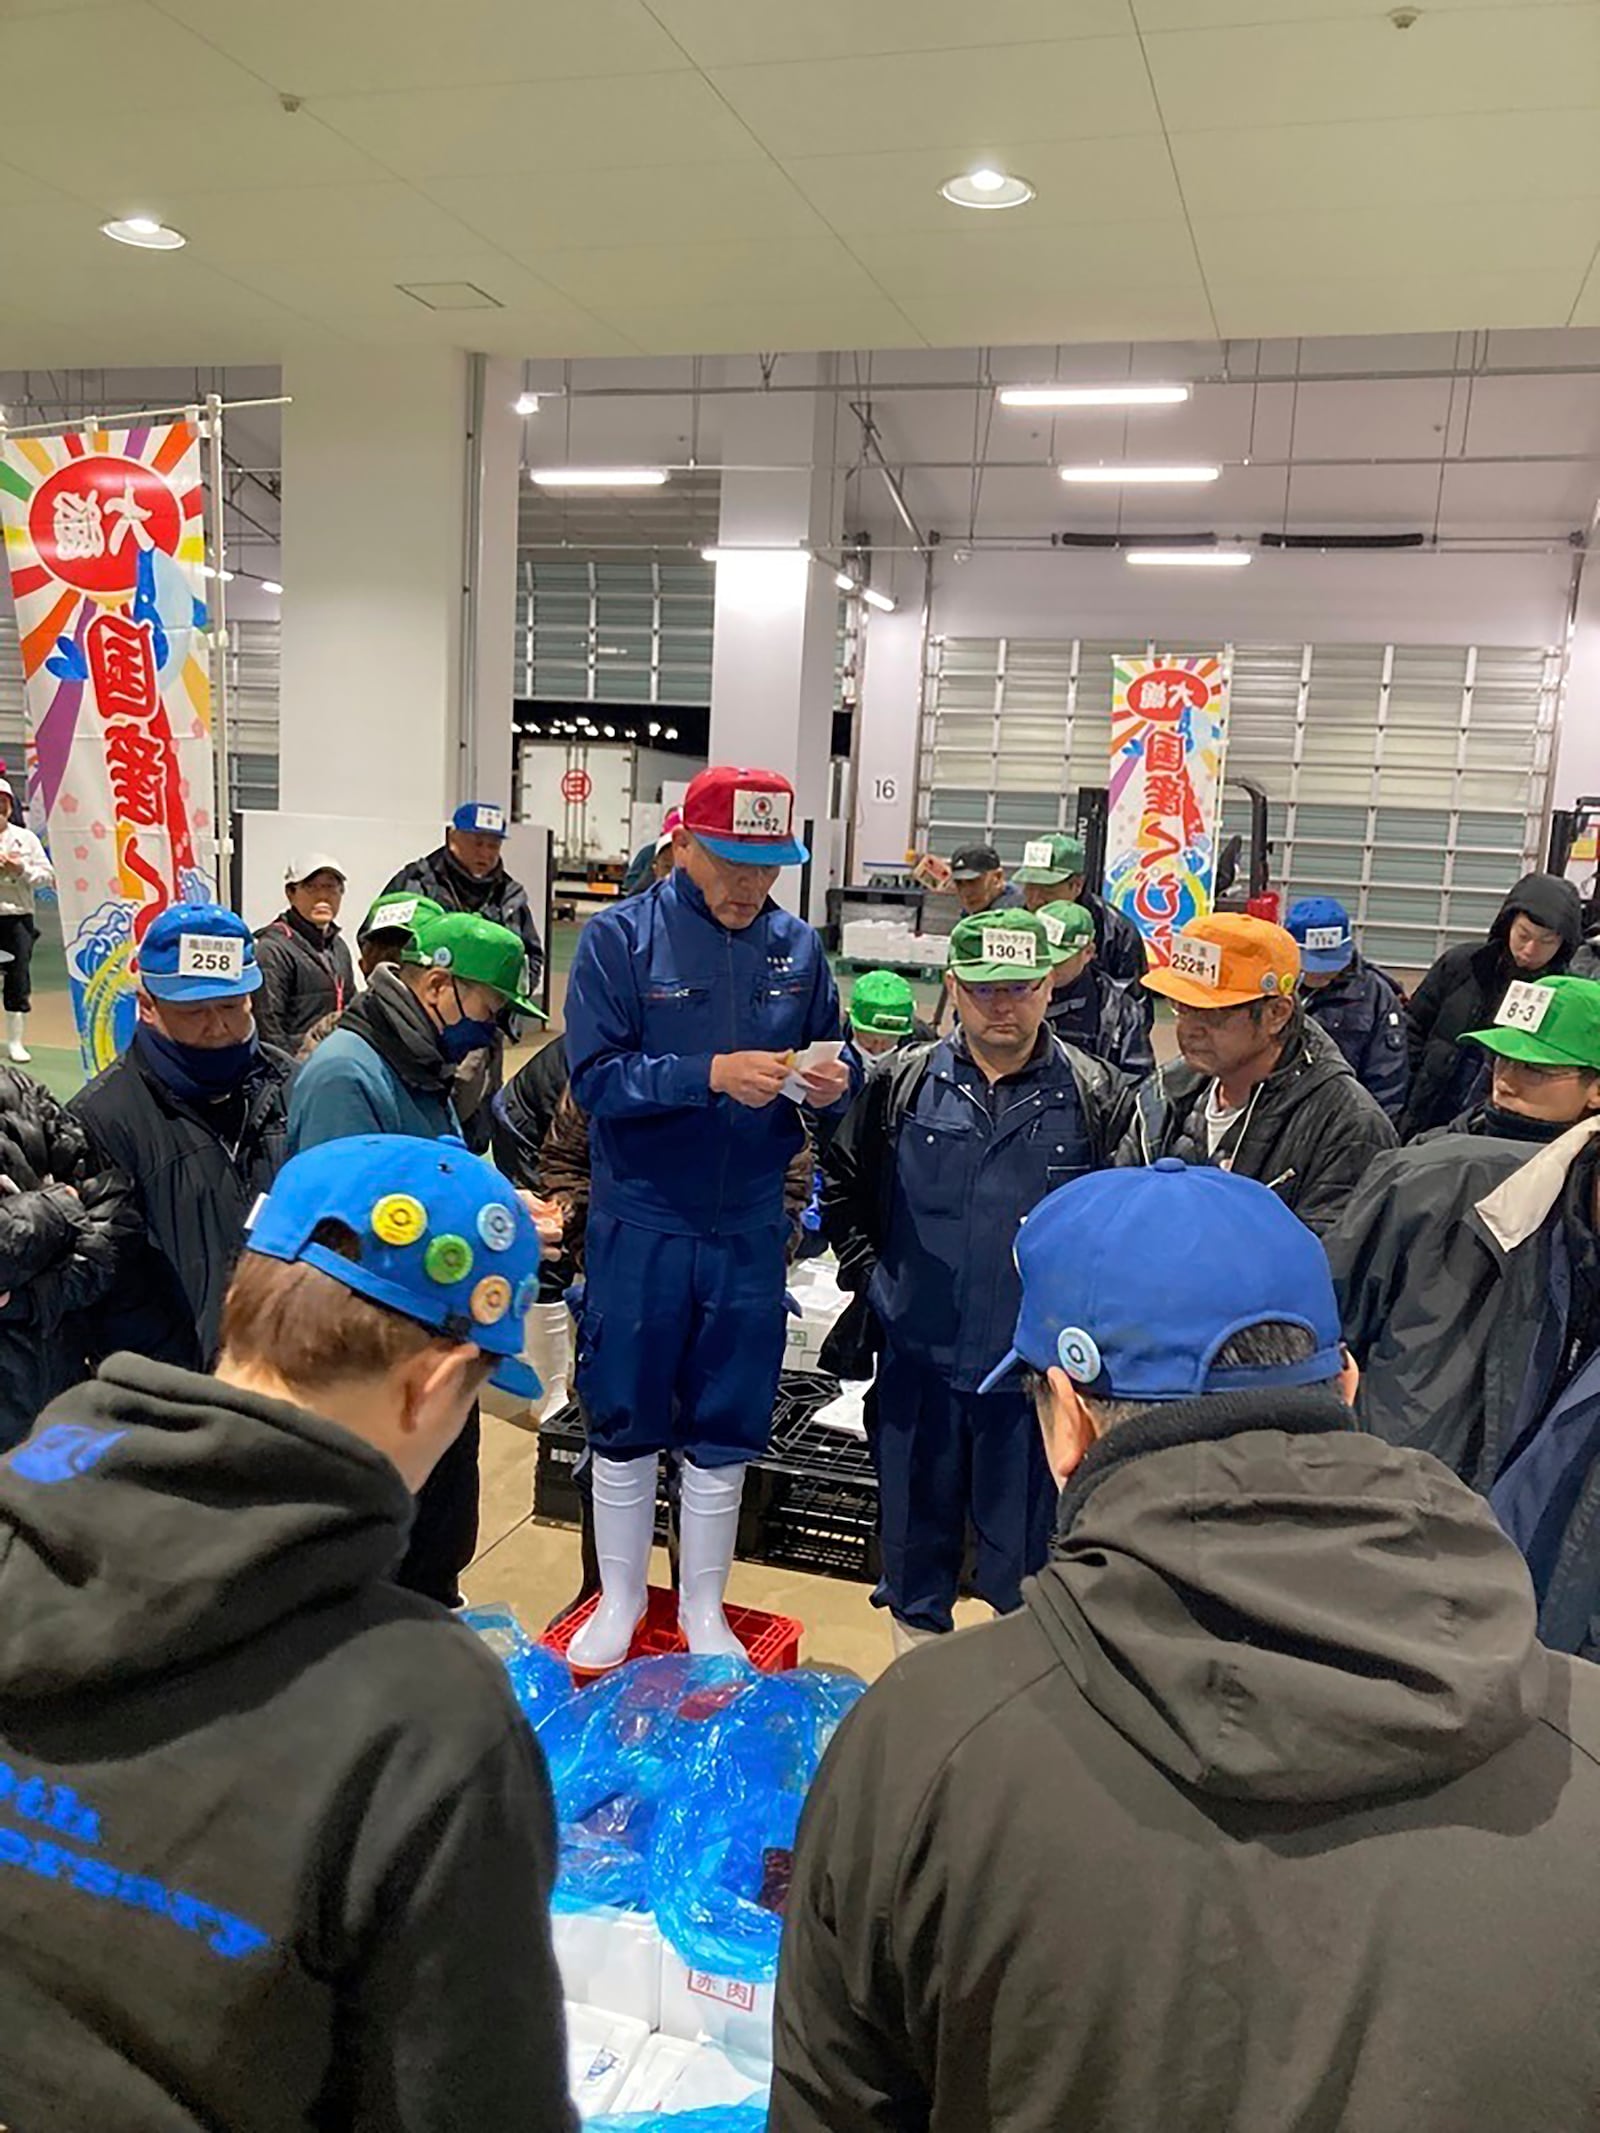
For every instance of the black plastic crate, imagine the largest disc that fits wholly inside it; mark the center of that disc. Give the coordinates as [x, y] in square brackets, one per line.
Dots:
[557, 1500]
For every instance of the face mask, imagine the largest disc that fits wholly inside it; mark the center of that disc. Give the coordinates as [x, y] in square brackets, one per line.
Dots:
[212, 1072]
[459, 1040]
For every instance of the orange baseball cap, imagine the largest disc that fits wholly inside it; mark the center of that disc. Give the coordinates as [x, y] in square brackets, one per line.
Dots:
[1228, 961]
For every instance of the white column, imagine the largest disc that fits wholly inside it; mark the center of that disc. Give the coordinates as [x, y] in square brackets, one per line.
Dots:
[777, 615]
[378, 543]
[888, 737]
[1578, 732]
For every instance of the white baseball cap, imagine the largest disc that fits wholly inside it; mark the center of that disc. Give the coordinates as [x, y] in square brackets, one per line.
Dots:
[309, 863]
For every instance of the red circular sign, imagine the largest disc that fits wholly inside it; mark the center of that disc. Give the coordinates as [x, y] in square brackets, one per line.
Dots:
[576, 785]
[1167, 692]
[94, 518]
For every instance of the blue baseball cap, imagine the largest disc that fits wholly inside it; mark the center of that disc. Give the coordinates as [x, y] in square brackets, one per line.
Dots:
[443, 1239]
[198, 952]
[1321, 925]
[479, 819]
[1131, 1316]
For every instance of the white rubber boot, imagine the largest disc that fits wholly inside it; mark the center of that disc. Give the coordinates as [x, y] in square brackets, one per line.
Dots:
[708, 1527]
[906, 1639]
[624, 1530]
[17, 1029]
[549, 1350]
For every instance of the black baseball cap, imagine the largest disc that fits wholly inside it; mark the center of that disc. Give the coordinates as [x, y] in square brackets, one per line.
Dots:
[973, 860]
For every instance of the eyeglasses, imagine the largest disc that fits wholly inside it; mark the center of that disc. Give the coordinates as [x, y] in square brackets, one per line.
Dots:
[1529, 1071]
[986, 991]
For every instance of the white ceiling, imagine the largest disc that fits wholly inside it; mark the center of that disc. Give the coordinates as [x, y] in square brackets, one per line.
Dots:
[662, 176]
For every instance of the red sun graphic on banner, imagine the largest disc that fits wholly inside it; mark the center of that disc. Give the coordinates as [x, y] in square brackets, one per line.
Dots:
[94, 518]
[1167, 692]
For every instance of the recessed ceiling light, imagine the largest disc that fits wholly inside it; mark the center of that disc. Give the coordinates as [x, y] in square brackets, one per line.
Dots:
[145, 233]
[525, 404]
[986, 187]
[1121, 475]
[271, 585]
[1092, 395]
[598, 477]
[1189, 558]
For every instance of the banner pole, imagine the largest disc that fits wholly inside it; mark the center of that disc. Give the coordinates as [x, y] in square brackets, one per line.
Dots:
[218, 617]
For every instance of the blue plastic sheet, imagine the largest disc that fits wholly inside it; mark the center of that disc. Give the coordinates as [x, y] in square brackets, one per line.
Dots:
[539, 1680]
[615, 1750]
[722, 1840]
[715, 2118]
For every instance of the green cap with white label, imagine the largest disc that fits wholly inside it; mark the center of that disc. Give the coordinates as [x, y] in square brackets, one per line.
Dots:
[1000, 948]
[1553, 1022]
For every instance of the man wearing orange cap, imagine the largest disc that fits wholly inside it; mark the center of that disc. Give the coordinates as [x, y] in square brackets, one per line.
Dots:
[1262, 1089]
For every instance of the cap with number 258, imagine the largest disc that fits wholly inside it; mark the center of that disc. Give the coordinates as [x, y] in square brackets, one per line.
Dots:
[198, 952]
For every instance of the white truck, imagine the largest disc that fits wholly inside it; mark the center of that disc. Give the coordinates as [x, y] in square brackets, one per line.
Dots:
[589, 791]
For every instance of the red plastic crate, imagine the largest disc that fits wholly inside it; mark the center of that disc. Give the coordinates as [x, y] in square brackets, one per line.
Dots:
[771, 1642]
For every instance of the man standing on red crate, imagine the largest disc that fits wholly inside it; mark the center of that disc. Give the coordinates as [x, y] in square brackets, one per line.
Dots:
[686, 1008]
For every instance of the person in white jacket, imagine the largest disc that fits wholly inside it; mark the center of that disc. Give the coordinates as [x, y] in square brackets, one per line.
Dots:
[24, 868]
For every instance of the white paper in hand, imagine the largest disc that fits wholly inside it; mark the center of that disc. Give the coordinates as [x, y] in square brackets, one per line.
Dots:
[825, 1052]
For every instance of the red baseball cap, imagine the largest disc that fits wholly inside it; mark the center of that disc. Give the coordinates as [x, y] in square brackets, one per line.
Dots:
[744, 815]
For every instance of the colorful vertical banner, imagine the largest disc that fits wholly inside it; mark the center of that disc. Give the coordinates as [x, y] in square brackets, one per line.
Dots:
[104, 533]
[1169, 737]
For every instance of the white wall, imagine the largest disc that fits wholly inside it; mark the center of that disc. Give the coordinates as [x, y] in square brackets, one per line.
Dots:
[887, 752]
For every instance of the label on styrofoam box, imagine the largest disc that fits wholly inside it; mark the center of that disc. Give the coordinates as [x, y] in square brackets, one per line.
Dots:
[210, 955]
[732, 2013]
[610, 1960]
[1200, 960]
[602, 2051]
[1525, 1006]
[672, 2075]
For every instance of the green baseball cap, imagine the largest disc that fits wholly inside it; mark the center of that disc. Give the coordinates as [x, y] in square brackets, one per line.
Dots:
[398, 914]
[1069, 929]
[1551, 1022]
[1048, 860]
[882, 1004]
[475, 949]
[1000, 948]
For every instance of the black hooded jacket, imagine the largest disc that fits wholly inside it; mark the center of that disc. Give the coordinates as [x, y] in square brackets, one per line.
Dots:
[276, 1845]
[1463, 991]
[1266, 1812]
[496, 897]
[306, 973]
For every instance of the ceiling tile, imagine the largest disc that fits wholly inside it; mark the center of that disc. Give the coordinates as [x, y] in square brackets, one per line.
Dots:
[129, 165]
[1519, 236]
[866, 193]
[1002, 262]
[987, 99]
[1249, 304]
[733, 33]
[116, 60]
[566, 127]
[1389, 162]
[1133, 313]
[370, 289]
[1154, 15]
[678, 275]
[308, 48]
[1399, 417]
[1552, 499]
[19, 190]
[300, 222]
[767, 323]
[702, 202]
[1586, 311]
[1500, 59]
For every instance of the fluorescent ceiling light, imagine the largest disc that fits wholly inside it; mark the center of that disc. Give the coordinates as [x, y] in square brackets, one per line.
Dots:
[1092, 395]
[733, 555]
[144, 233]
[1189, 558]
[271, 585]
[226, 576]
[1120, 476]
[845, 582]
[986, 187]
[879, 600]
[598, 477]
[525, 404]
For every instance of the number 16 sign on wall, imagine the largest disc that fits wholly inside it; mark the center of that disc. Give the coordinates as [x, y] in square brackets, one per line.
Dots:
[1169, 735]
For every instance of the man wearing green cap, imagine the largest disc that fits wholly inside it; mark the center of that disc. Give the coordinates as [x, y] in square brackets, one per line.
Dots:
[1468, 1268]
[391, 1066]
[1052, 871]
[883, 1015]
[941, 1155]
[1086, 1009]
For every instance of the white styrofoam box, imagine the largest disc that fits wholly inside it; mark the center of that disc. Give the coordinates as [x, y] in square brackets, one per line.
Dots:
[611, 1960]
[672, 2075]
[702, 2008]
[602, 2051]
[848, 1413]
[815, 1288]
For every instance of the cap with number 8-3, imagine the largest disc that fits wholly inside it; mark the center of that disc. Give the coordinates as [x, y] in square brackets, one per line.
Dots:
[1228, 960]
[1551, 1022]
[1000, 948]
[198, 952]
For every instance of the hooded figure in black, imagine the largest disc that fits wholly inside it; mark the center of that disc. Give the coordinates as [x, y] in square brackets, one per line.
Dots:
[1535, 936]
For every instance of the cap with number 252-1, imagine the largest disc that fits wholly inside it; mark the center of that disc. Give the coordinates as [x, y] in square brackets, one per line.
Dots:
[198, 952]
[1551, 1022]
[1228, 960]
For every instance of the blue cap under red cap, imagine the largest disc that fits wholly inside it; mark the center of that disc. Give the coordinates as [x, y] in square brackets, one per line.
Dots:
[442, 1238]
[1132, 1280]
[198, 952]
[1321, 925]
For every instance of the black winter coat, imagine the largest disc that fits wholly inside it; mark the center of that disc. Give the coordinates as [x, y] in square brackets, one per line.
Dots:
[305, 975]
[1105, 1020]
[1264, 1812]
[195, 1179]
[498, 898]
[1363, 1013]
[1463, 992]
[1310, 1135]
[58, 1253]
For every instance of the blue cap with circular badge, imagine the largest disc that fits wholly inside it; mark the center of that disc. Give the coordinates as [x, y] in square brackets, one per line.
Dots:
[1132, 1280]
[439, 1236]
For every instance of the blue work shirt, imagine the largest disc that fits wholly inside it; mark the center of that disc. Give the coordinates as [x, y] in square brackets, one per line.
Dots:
[970, 1161]
[658, 988]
